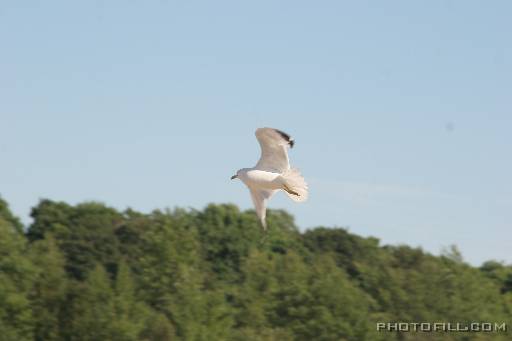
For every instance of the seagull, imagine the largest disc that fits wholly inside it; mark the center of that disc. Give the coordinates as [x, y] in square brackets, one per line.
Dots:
[272, 172]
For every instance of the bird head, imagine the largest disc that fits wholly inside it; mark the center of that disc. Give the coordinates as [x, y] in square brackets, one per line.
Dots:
[237, 174]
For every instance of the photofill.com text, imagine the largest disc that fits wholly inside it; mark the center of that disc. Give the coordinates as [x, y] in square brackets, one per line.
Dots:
[442, 326]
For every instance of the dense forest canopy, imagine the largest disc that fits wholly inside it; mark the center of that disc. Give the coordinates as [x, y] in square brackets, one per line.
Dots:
[91, 272]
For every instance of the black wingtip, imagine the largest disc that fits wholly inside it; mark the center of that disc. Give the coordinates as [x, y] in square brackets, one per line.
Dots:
[287, 137]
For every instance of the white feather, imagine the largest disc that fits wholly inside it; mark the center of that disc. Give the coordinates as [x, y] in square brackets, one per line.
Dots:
[259, 198]
[274, 151]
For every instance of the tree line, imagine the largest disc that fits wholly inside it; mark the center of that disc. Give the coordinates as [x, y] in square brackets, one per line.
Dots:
[91, 272]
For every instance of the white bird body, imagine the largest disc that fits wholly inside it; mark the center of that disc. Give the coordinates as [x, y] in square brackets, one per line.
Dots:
[259, 179]
[272, 172]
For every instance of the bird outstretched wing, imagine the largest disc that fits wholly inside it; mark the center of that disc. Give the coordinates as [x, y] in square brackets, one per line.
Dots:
[259, 198]
[274, 150]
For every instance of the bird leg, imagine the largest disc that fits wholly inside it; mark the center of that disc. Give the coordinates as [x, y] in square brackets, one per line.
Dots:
[290, 191]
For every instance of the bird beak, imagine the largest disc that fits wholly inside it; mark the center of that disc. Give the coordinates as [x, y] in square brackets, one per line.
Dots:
[233, 177]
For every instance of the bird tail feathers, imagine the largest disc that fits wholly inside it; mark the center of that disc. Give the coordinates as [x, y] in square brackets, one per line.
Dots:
[294, 185]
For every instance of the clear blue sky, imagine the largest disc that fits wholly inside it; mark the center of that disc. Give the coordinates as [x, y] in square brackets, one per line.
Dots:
[401, 110]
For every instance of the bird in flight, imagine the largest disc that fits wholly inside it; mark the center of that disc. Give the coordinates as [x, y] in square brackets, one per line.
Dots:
[272, 172]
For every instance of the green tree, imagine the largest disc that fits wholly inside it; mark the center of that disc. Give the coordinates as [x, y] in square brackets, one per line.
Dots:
[85, 234]
[89, 272]
[16, 278]
[158, 328]
[173, 276]
[131, 315]
[94, 308]
[48, 295]
[8, 217]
